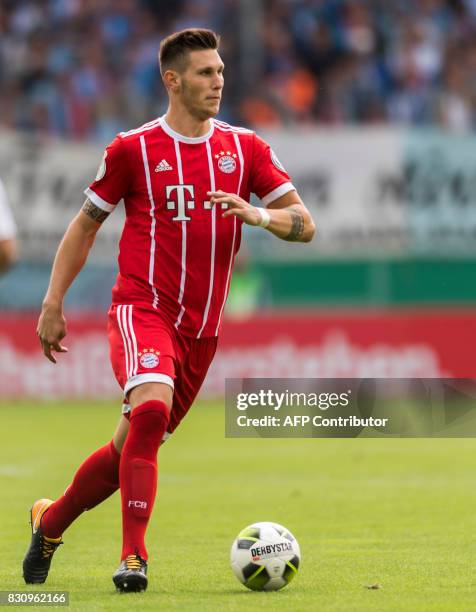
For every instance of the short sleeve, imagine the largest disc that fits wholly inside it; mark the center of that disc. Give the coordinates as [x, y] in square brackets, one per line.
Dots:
[113, 177]
[269, 180]
[7, 224]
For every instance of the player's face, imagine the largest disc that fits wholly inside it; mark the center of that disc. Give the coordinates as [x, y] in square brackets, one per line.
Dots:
[201, 83]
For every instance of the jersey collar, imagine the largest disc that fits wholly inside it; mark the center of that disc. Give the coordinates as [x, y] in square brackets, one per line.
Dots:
[187, 139]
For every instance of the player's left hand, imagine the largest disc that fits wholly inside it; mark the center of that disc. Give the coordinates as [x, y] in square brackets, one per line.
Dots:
[237, 207]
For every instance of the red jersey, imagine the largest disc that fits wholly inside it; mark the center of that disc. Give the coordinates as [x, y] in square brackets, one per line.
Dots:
[177, 251]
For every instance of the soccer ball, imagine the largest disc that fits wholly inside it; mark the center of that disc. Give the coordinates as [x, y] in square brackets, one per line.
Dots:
[265, 556]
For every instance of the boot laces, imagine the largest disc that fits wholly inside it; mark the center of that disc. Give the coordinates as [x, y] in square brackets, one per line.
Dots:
[48, 548]
[133, 562]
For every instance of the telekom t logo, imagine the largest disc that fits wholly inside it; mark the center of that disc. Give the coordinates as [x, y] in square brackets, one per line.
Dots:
[182, 205]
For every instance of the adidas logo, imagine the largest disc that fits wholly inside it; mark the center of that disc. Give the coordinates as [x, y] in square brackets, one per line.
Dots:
[163, 166]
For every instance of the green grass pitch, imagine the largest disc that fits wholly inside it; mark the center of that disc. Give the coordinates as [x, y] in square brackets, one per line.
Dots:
[397, 513]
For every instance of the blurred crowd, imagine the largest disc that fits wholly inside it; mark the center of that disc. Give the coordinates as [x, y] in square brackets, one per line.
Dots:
[86, 69]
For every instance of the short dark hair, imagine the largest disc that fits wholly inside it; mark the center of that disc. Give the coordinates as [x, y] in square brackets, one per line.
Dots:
[174, 48]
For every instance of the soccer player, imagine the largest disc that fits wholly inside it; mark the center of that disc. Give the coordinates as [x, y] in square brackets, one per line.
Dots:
[186, 180]
[8, 246]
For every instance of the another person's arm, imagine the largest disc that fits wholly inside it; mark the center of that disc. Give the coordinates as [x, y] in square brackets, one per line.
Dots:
[70, 258]
[8, 253]
[8, 242]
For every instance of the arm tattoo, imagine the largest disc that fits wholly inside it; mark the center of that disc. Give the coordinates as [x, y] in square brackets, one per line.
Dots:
[297, 225]
[93, 211]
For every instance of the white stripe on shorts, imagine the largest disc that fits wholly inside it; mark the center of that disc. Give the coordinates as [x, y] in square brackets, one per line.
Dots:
[134, 344]
[124, 319]
[126, 348]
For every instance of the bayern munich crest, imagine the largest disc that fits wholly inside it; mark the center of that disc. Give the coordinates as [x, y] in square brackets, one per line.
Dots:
[149, 358]
[226, 161]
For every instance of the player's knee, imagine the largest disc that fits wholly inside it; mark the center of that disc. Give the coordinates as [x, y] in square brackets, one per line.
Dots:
[120, 434]
[154, 414]
[150, 392]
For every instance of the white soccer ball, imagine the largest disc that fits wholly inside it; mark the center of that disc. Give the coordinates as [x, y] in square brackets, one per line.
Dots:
[265, 556]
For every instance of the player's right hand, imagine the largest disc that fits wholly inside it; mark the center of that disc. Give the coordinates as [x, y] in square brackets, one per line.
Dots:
[51, 330]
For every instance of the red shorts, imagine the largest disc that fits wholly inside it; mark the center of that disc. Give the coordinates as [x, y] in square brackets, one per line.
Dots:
[146, 347]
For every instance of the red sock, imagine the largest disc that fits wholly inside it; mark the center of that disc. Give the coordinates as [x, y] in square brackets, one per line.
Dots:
[138, 473]
[96, 479]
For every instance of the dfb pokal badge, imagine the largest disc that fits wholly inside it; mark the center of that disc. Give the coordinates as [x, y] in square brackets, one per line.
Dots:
[149, 358]
[226, 161]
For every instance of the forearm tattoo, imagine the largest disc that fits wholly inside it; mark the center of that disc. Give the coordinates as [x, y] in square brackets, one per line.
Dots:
[297, 225]
[93, 211]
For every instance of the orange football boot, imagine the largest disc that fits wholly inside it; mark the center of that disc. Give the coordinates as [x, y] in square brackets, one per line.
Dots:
[37, 561]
